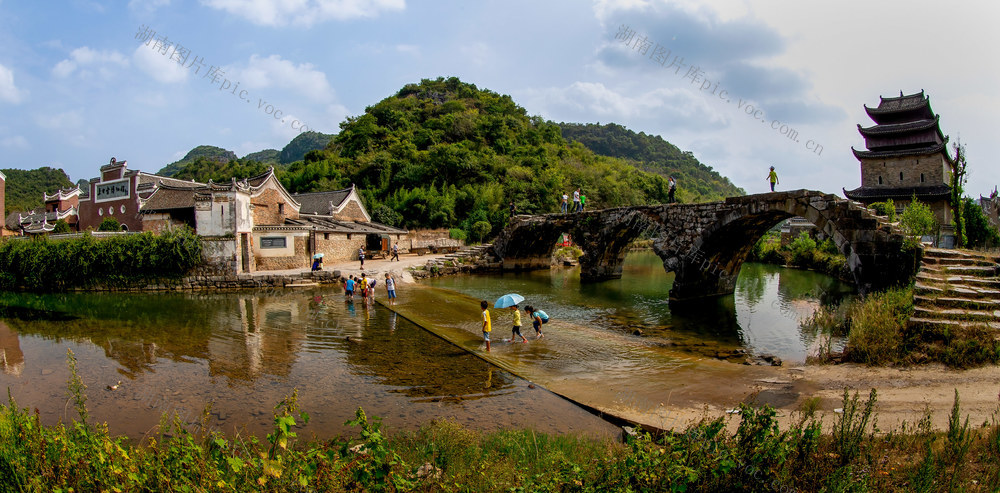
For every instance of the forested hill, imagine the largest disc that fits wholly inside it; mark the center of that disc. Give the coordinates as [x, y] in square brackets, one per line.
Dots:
[202, 153]
[444, 153]
[650, 152]
[24, 188]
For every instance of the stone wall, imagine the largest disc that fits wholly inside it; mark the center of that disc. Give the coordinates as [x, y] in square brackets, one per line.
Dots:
[933, 168]
[422, 238]
[299, 260]
[338, 247]
[267, 208]
[351, 212]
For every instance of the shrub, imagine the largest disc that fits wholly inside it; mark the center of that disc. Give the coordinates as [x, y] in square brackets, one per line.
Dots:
[42, 264]
[918, 220]
[887, 208]
[457, 234]
[480, 229]
[110, 224]
[61, 227]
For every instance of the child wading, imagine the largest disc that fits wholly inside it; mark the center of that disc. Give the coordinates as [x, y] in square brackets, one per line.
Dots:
[517, 325]
[538, 318]
[349, 288]
[390, 286]
[487, 326]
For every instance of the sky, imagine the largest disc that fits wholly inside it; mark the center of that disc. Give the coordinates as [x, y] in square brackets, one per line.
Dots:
[743, 84]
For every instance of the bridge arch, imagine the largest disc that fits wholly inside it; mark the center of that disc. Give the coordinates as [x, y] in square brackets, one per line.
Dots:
[706, 244]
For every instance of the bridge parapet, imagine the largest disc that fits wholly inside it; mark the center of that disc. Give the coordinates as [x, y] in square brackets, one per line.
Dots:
[706, 244]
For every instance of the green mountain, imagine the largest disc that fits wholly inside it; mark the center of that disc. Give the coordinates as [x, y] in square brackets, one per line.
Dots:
[210, 153]
[443, 153]
[303, 143]
[269, 156]
[24, 188]
[696, 181]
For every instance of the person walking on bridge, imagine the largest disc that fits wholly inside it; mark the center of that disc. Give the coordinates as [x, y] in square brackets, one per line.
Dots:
[773, 178]
[565, 203]
[671, 188]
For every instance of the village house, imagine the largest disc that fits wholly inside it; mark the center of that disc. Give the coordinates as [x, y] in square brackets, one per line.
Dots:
[247, 225]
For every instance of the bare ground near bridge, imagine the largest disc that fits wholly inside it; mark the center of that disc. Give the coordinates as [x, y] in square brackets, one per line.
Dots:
[904, 395]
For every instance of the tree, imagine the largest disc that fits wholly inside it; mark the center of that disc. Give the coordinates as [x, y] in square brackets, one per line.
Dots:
[978, 230]
[480, 229]
[61, 227]
[918, 220]
[110, 224]
[958, 178]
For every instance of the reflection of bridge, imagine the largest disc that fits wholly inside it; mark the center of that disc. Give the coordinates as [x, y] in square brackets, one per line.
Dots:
[705, 244]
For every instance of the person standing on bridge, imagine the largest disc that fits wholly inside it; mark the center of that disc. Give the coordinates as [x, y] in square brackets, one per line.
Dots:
[576, 200]
[671, 188]
[565, 203]
[773, 178]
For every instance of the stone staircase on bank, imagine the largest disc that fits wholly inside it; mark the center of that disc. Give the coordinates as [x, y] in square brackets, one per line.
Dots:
[957, 289]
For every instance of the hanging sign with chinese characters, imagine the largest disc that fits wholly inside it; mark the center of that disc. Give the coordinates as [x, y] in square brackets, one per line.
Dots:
[111, 190]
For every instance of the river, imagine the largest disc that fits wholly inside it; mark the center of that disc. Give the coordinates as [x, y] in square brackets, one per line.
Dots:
[244, 351]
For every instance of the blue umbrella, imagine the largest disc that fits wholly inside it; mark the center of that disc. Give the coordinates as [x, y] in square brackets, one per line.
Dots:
[508, 300]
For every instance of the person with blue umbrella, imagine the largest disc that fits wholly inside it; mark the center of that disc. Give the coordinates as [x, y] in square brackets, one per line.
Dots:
[510, 301]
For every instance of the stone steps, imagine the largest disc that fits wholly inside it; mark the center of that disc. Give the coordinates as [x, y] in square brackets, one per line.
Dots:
[958, 302]
[956, 289]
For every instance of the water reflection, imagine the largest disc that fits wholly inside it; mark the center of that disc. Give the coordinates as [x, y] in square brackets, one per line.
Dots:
[763, 315]
[245, 351]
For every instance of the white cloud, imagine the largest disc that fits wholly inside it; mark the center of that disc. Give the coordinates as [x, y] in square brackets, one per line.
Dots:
[8, 91]
[83, 58]
[147, 6]
[15, 142]
[408, 49]
[589, 101]
[61, 121]
[277, 73]
[158, 66]
[303, 12]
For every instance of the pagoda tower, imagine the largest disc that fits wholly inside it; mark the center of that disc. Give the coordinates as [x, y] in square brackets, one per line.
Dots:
[906, 156]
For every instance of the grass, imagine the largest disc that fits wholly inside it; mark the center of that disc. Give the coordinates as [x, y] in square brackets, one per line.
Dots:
[444, 456]
[878, 334]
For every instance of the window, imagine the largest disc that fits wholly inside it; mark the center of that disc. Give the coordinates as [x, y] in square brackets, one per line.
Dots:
[281, 208]
[122, 208]
[348, 236]
[921, 177]
[272, 242]
[900, 176]
[880, 180]
[111, 210]
[326, 236]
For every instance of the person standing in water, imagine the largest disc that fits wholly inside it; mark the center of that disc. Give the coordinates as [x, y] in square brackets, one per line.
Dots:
[390, 286]
[773, 178]
[517, 325]
[536, 320]
[487, 325]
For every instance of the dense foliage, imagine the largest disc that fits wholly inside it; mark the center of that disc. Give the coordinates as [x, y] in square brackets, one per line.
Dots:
[696, 182]
[978, 230]
[40, 264]
[25, 187]
[210, 153]
[802, 252]
[202, 170]
[443, 456]
[303, 143]
[443, 153]
[267, 156]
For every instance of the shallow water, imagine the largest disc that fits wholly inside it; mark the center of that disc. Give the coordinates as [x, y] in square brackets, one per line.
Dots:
[763, 316]
[243, 352]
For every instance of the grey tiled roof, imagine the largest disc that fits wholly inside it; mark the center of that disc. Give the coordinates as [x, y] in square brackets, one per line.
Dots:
[320, 202]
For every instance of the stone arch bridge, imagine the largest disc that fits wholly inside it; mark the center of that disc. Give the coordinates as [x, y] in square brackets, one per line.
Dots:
[705, 244]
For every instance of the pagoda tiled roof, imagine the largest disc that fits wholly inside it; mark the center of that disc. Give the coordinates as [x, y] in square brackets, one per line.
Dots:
[913, 151]
[900, 128]
[901, 103]
[876, 194]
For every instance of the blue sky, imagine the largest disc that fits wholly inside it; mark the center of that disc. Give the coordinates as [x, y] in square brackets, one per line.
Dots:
[77, 87]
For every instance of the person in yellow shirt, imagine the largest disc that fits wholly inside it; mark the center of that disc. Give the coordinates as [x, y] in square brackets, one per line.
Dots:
[772, 177]
[517, 326]
[487, 326]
